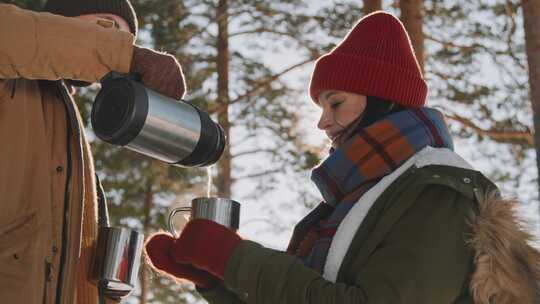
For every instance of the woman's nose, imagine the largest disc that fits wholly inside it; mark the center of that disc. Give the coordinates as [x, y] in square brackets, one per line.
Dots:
[325, 121]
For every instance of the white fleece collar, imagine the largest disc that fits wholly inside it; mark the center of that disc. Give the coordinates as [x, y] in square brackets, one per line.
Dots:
[352, 221]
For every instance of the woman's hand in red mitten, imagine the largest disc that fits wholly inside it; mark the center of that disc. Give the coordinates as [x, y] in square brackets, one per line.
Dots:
[158, 250]
[206, 245]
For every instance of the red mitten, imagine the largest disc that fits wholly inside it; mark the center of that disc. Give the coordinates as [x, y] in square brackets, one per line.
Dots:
[158, 250]
[206, 245]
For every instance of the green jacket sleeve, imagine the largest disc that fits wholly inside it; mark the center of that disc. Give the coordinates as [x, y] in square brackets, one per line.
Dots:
[423, 259]
[220, 295]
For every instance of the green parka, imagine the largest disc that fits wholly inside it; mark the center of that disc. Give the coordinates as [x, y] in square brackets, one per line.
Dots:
[433, 231]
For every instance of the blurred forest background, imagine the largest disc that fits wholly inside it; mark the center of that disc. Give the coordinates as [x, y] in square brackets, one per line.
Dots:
[248, 62]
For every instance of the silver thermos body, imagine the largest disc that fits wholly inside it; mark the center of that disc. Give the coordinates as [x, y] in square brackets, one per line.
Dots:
[128, 114]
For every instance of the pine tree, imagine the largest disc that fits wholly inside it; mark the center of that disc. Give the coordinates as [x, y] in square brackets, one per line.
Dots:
[371, 6]
[476, 69]
[412, 16]
[531, 16]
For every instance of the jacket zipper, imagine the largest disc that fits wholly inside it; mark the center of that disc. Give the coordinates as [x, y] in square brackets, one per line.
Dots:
[48, 275]
[65, 223]
[72, 127]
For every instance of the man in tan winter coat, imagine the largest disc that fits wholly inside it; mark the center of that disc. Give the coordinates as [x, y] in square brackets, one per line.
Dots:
[48, 193]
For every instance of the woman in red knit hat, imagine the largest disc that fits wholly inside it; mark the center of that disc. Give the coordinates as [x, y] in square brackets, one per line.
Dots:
[404, 219]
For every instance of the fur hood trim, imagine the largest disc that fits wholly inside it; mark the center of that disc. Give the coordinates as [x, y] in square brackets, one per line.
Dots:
[507, 266]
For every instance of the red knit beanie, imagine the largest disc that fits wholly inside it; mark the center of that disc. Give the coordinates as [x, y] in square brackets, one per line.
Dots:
[376, 58]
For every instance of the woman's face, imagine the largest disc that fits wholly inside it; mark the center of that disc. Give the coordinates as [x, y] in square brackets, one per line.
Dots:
[339, 110]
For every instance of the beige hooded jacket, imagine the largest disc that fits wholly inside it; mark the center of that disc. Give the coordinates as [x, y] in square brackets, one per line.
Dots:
[47, 187]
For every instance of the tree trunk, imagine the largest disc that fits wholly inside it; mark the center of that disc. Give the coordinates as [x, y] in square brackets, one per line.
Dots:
[372, 5]
[224, 181]
[412, 12]
[531, 20]
[148, 202]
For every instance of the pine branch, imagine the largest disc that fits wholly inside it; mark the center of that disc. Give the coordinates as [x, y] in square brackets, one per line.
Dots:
[511, 14]
[237, 13]
[268, 80]
[202, 30]
[262, 30]
[250, 136]
[243, 153]
[259, 174]
[501, 136]
[216, 108]
[493, 54]
[451, 44]
[314, 54]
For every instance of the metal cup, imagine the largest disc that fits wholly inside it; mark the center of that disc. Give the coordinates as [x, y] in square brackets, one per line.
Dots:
[220, 210]
[118, 257]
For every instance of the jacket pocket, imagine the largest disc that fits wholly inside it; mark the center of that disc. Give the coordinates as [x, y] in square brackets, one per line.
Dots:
[17, 251]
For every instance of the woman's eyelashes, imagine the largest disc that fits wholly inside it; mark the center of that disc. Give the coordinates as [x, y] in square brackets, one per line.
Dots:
[335, 104]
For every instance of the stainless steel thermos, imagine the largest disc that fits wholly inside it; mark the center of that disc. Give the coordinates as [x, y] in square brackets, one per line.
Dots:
[128, 114]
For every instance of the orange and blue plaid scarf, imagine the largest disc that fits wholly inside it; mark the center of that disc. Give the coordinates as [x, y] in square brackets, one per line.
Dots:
[346, 174]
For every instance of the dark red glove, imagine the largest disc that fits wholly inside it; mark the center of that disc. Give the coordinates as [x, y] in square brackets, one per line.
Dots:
[158, 250]
[160, 72]
[205, 245]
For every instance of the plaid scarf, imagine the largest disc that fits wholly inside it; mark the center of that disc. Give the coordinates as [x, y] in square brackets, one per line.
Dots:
[350, 171]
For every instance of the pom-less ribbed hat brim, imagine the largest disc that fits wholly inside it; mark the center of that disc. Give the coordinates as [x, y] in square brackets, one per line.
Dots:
[367, 76]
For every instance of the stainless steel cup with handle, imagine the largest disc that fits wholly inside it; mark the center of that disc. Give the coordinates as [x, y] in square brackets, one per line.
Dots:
[118, 256]
[223, 211]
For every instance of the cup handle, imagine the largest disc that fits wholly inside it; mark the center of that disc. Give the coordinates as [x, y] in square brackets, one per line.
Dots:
[172, 230]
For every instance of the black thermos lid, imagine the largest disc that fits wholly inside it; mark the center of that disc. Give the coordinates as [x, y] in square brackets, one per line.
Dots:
[120, 109]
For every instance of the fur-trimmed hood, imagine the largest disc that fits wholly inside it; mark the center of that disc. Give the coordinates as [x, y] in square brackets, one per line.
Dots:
[507, 266]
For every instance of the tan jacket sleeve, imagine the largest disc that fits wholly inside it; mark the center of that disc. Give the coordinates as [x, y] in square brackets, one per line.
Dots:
[46, 46]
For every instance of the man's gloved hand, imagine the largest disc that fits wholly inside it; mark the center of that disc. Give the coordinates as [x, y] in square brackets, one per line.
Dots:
[206, 245]
[158, 251]
[158, 71]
